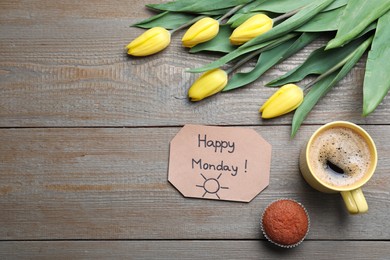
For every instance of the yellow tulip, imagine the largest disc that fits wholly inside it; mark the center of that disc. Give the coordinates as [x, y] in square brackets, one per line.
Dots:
[208, 84]
[283, 101]
[251, 28]
[202, 31]
[150, 42]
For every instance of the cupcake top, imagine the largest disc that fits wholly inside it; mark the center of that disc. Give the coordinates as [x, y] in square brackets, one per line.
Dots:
[285, 222]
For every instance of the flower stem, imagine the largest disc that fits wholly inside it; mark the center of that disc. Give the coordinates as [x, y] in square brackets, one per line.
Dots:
[231, 12]
[256, 52]
[286, 15]
[330, 71]
[187, 24]
[241, 62]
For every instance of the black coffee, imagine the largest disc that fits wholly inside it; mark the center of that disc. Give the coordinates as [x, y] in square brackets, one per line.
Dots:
[339, 156]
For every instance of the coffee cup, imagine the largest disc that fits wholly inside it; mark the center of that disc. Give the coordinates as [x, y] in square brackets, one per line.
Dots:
[340, 157]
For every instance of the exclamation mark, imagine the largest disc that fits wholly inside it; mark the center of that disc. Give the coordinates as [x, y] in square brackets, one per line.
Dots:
[246, 164]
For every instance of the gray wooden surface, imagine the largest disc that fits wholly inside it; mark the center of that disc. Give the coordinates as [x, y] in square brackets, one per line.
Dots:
[84, 142]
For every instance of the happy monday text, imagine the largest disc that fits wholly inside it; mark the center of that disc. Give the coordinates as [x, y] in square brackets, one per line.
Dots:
[218, 146]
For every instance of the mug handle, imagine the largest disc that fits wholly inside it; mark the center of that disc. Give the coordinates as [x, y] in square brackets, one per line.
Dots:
[355, 201]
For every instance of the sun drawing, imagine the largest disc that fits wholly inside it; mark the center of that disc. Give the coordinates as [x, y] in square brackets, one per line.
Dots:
[211, 185]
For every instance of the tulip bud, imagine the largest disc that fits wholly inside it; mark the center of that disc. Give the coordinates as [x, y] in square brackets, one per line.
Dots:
[208, 84]
[251, 28]
[202, 31]
[285, 100]
[150, 42]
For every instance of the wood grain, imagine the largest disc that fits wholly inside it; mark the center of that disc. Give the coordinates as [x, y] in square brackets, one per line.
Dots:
[193, 250]
[112, 184]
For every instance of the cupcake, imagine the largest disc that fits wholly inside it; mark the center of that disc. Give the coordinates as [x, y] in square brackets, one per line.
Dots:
[285, 223]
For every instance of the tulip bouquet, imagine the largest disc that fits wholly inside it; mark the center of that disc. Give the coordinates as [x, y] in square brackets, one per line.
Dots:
[272, 31]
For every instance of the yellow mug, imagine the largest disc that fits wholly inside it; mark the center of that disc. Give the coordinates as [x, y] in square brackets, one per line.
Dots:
[352, 194]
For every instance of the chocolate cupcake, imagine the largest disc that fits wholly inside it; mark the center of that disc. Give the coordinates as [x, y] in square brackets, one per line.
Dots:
[285, 223]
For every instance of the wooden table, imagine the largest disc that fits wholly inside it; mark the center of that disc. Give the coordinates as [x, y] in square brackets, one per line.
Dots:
[84, 144]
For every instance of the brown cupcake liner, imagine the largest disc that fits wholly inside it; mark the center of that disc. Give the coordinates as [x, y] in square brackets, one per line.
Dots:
[280, 245]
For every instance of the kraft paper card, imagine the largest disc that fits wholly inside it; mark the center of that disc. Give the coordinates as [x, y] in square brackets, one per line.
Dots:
[220, 163]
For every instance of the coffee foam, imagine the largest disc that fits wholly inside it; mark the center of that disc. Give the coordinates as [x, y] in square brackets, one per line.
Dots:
[343, 147]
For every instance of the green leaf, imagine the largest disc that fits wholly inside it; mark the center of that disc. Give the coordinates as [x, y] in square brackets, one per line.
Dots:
[228, 57]
[250, 6]
[377, 76]
[168, 20]
[265, 61]
[367, 30]
[322, 22]
[318, 62]
[196, 6]
[312, 97]
[278, 7]
[220, 43]
[239, 52]
[217, 12]
[322, 87]
[245, 11]
[281, 6]
[268, 59]
[238, 19]
[356, 17]
[336, 4]
[284, 6]
[291, 23]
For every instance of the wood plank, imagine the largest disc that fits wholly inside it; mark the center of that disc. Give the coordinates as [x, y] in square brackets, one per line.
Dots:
[69, 68]
[112, 184]
[192, 250]
[48, 11]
